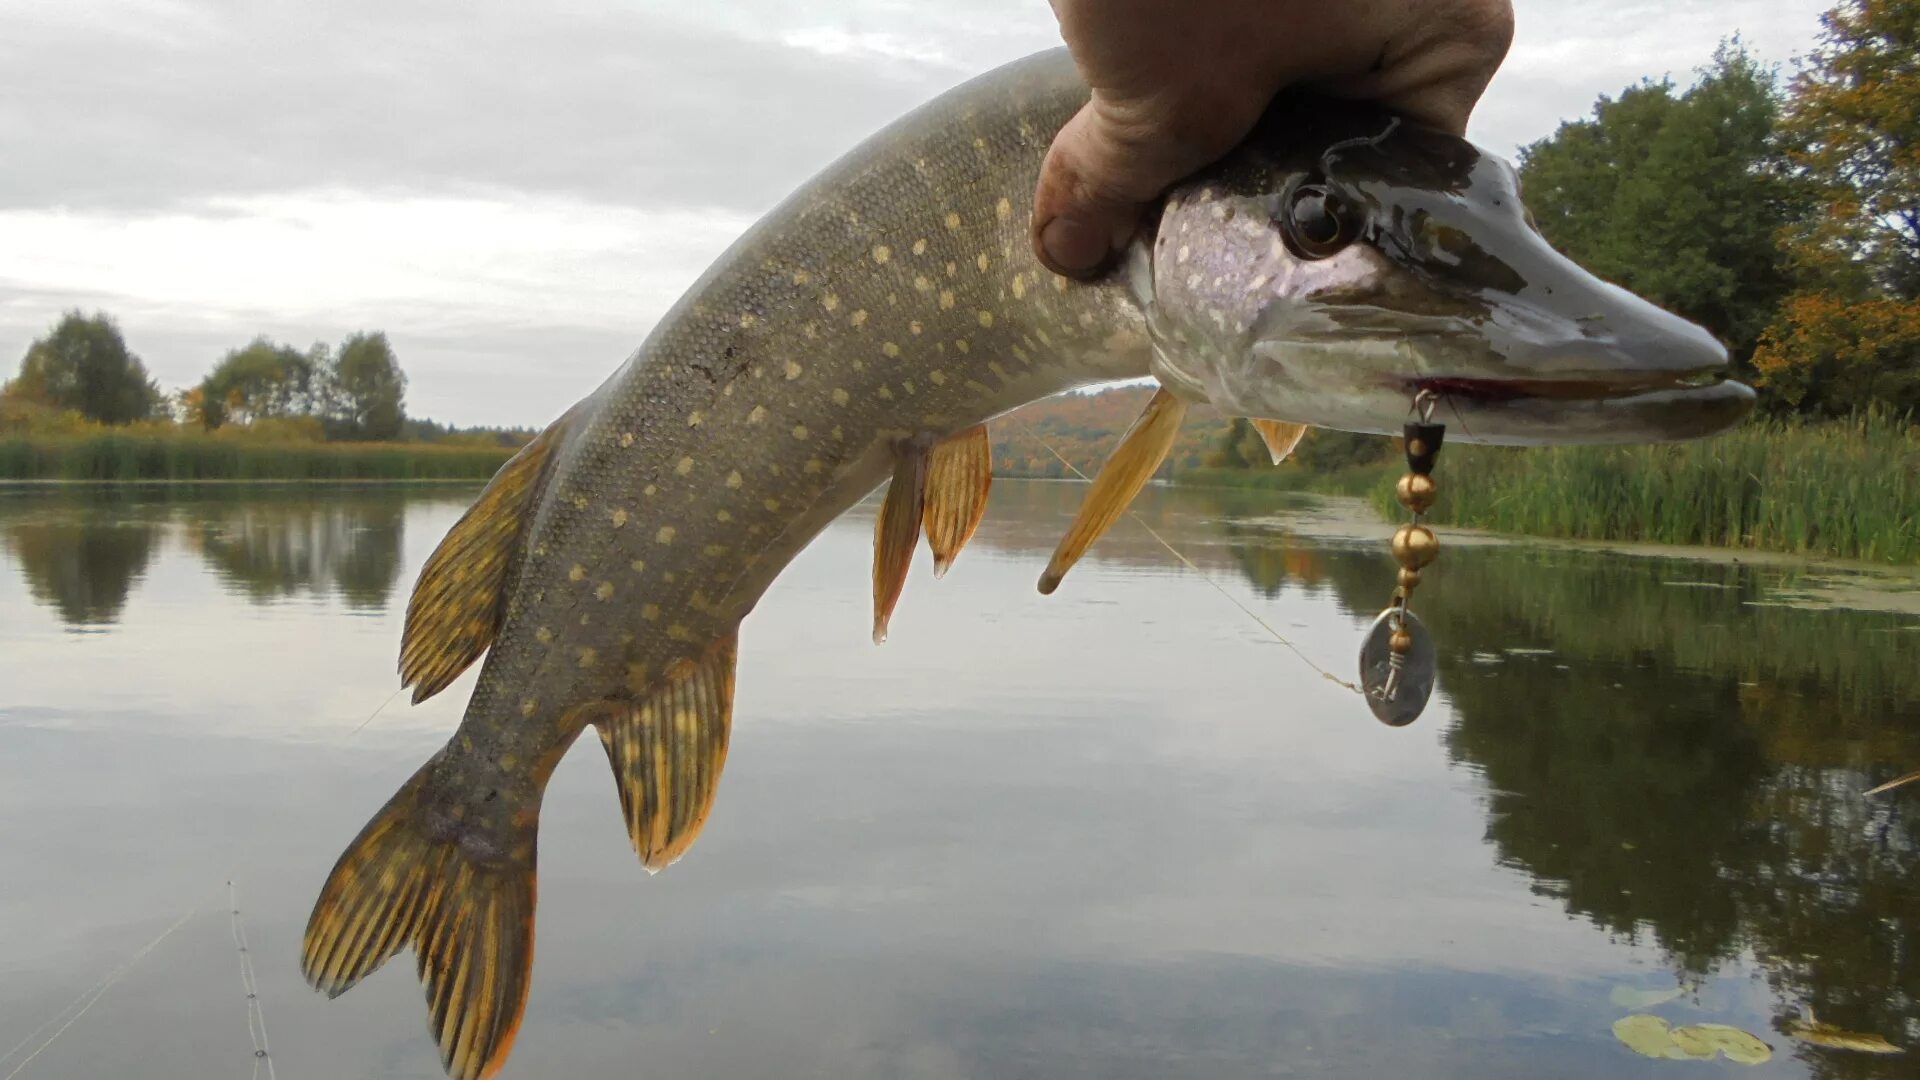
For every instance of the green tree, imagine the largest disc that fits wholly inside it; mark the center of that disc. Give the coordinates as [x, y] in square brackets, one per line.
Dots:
[263, 380]
[1678, 195]
[84, 365]
[371, 388]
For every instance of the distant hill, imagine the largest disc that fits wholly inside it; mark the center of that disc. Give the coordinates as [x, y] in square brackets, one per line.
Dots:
[1084, 428]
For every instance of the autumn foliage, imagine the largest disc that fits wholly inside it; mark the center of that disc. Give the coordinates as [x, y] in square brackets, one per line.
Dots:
[1849, 337]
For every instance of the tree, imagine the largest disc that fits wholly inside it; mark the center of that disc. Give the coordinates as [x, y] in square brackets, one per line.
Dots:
[84, 365]
[264, 380]
[1850, 338]
[371, 388]
[1677, 195]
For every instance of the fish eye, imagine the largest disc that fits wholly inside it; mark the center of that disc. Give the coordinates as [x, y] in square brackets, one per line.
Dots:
[1317, 223]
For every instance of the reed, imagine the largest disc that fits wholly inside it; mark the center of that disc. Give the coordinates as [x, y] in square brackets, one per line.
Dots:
[193, 456]
[1848, 489]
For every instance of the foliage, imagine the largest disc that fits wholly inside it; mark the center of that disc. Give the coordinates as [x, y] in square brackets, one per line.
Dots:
[83, 365]
[371, 388]
[263, 380]
[1850, 339]
[1084, 428]
[167, 453]
[1677, 195]
[1847, 488]
[1826, 355]
[1855, 126]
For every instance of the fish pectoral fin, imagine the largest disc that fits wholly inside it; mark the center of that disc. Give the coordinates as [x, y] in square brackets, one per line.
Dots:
[1140, 453]
[1281, 437]
[667, 749]
[468, 917]
[458, 602]
[959, 475]
[896, 531]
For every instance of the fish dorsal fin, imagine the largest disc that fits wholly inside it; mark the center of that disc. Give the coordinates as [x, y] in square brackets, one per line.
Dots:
[667, 749]
[1140, 453]
[895, 533]
[1281, 437]
[462, 592]
[958, 478]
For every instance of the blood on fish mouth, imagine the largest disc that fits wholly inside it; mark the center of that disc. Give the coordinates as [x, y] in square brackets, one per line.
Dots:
[1499, 390]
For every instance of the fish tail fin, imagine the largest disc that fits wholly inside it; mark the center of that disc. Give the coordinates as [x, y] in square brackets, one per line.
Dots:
[461, 895]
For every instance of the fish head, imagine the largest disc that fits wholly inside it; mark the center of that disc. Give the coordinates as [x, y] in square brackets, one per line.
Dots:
[1347, 269]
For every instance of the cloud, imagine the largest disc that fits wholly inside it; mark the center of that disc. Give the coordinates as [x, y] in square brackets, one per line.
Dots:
[516, 191]
[602, 103]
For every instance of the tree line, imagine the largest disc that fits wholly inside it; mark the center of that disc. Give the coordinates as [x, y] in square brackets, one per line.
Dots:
[352, 392]
[356, 391]
[1783, 214]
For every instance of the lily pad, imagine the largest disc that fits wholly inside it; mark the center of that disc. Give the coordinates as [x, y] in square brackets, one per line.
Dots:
[1740, 1047]
[1651, 1036]
[1835, 1038]
[1632, 997]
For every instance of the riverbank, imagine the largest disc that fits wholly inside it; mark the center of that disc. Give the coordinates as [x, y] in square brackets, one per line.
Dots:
[1848, 490]
[200, 457]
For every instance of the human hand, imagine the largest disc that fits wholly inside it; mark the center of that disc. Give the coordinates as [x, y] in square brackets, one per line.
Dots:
[1178, 83]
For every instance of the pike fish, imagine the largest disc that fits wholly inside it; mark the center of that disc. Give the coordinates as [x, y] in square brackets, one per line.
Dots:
[1335, 267]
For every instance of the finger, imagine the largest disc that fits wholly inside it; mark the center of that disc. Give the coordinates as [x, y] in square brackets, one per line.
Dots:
[1102, 168]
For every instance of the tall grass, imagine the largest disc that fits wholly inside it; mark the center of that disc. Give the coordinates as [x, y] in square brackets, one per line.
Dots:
[1848, 489]
[193, 456]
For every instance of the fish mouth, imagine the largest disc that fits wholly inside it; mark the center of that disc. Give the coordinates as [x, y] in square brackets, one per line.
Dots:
[1552, 412]
[1493, 391]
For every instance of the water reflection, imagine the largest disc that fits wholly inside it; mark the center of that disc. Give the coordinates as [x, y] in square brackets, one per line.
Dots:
[1052, 866]
[82, 570]
[83, 551]
[1676, 762]
[300, 545]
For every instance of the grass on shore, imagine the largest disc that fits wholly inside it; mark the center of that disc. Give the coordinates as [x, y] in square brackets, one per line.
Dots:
[1846, 489]
[193, 456]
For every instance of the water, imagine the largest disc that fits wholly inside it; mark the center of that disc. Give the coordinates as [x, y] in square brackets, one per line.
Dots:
[1116, 832]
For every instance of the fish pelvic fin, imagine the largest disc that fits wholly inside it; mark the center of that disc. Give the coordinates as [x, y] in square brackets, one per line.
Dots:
[896, 531]
[1132, 464]
[461, 596]
[1281, 437]
[959, 475]
[667, 749]
[461, 896]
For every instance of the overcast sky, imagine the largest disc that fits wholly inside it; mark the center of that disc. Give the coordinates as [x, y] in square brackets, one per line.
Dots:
[515, 191]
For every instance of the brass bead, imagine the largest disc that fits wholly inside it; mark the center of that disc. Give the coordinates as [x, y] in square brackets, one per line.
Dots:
[1414, 546]
[1401, 642]
[1409, 578]
[1416, 492]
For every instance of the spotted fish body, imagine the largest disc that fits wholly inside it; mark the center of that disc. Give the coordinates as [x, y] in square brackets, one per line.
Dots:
[865, 329]
[890, 304]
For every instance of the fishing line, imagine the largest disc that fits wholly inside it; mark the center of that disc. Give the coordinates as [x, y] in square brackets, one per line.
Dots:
[90, 996]
[256, 1013]
[370, 716]
[1189, 564]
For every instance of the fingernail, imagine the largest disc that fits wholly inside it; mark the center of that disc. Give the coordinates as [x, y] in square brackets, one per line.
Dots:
[1075, 246]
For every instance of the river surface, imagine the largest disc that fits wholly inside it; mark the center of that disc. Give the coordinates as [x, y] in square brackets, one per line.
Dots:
[1117, 832]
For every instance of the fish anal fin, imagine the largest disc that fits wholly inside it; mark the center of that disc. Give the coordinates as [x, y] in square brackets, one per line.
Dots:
[1281, 437]
[461, 596]
[959, 476]
[1132, 464]
[896, 531]
[464, 902]
[667, 749]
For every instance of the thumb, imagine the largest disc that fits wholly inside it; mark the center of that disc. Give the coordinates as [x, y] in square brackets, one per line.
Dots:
[1103, 167]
